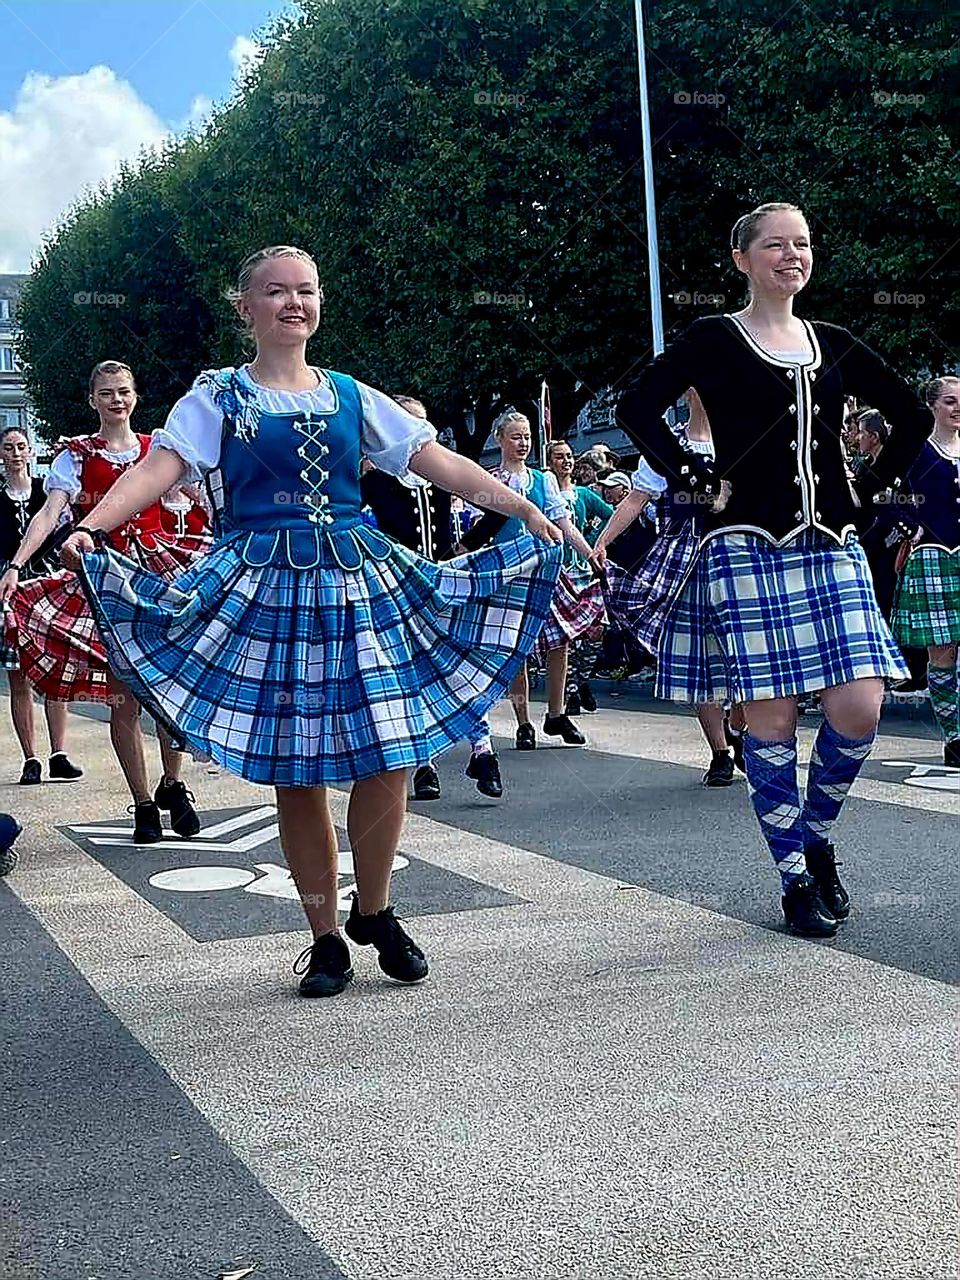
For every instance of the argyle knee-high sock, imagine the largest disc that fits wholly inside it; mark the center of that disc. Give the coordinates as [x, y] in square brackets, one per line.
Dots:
[945, 700]
[771, 769]
[834, 765]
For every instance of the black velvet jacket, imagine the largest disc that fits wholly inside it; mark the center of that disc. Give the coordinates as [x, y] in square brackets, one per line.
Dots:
[419, 516]
[776, 425]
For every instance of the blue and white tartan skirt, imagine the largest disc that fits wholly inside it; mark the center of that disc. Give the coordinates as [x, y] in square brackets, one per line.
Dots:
[308, 677]
[639, 602]
[757, 621]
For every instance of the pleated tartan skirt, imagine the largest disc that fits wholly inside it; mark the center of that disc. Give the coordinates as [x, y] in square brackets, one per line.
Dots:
[756, 621]
[639, 602]
[926, 608]
[309, 677]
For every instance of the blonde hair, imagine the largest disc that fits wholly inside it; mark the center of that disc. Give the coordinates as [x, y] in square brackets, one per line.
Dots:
[510, 414]
[109, 366]
[747, 228]
[936, 387]
[253, 260]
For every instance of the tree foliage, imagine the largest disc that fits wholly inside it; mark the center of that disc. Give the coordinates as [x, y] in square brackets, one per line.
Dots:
[467, 174]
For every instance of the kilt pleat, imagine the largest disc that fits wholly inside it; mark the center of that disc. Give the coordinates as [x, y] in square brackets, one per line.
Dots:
[49, 628]
[638, 602]
[295, 678]
[926, 608]
[577, 613]
[755, 621]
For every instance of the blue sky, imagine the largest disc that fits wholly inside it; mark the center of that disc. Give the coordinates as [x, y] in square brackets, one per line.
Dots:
[85, 84]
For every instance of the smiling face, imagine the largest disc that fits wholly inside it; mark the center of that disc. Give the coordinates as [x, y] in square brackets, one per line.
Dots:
[114, 399]
[560, 461]
[281, 304]
[779, 259]
[15, 454]
[515, 441]
[946, 407]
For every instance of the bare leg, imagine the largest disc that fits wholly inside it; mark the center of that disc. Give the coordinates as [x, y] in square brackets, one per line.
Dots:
[310, 847]
[56, 713]
[520, 696]
[710, 715]
[738, 717]
[853, 709]
[378, 806]
[557, 680]
[772, 719]
[21, 712]
[172, 760]
[127, 739]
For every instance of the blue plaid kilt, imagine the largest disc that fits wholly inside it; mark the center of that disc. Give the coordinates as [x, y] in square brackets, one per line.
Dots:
[757, 621]
[638, 602]
[307, 677]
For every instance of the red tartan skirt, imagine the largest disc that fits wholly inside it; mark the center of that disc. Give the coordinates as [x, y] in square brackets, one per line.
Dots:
[49, 624]
[577, 613]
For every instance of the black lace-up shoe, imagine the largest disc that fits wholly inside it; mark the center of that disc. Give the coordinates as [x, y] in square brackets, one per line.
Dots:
[484, 769]
[325, 966]
[526, 737]
[62, 767]
[563, 727]
[177, 800]
[31, 772]
[805, 912]
[822, 864]
[574, 706]
[720, 773]
[587, 700]
[400, 957]
[951, 754]
[426, 783]
[147, 828]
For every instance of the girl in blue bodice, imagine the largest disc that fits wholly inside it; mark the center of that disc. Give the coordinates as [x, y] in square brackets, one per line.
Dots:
[307, 649]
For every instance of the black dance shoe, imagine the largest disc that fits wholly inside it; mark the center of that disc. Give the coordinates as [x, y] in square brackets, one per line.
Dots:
[951, 754]
[325, 966]
[526, 737]
[822, 864]
[426, 783]
[563, 727]
[176, 799]
[805, 911]
[734, 739]
[147, 828]
[587, 700]
[484, 769]
[574, 706]
[720, 773]
[31, 772]
[63, 768]
[399, 956]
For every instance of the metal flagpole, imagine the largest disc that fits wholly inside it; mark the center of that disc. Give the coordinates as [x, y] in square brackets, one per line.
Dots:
[656, 311]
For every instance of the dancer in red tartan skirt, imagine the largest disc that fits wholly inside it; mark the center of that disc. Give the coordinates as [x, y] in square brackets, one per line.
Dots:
[48, 620]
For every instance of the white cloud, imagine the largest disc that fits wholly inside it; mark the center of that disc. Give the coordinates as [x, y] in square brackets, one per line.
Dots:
[64, 134]
[244, 54]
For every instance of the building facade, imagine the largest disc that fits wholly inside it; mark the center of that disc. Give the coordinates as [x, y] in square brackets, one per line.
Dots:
[15, 407]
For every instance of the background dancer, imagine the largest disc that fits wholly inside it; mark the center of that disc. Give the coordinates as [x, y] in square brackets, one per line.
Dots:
[927, 609]
[639, 599]
[573, 612]
[308, 649]
[780, 601]
[60, 651]
[418, 515]
[21, 497]
[588, 514]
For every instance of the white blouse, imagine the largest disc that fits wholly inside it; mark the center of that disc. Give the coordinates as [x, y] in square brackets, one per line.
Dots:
[390, 436]
[64, 473]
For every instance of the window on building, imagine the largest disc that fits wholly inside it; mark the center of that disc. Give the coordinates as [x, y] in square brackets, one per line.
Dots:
[8, 361]
[4, 308]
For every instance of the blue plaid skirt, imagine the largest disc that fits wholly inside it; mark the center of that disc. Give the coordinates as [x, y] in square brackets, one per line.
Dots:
[307, 677]
[756, 621]
[639, 602]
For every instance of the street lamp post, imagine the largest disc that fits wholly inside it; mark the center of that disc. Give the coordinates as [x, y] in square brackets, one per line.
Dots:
[653, 257]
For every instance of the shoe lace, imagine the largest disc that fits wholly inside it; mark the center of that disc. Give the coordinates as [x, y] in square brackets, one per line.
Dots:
[302, 962]
[395, 935]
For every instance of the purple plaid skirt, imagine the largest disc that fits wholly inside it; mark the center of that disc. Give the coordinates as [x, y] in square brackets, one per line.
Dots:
[639, 602]
[577, 613]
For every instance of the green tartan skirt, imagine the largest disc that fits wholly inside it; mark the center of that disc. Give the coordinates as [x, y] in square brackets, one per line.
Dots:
[926, 610]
